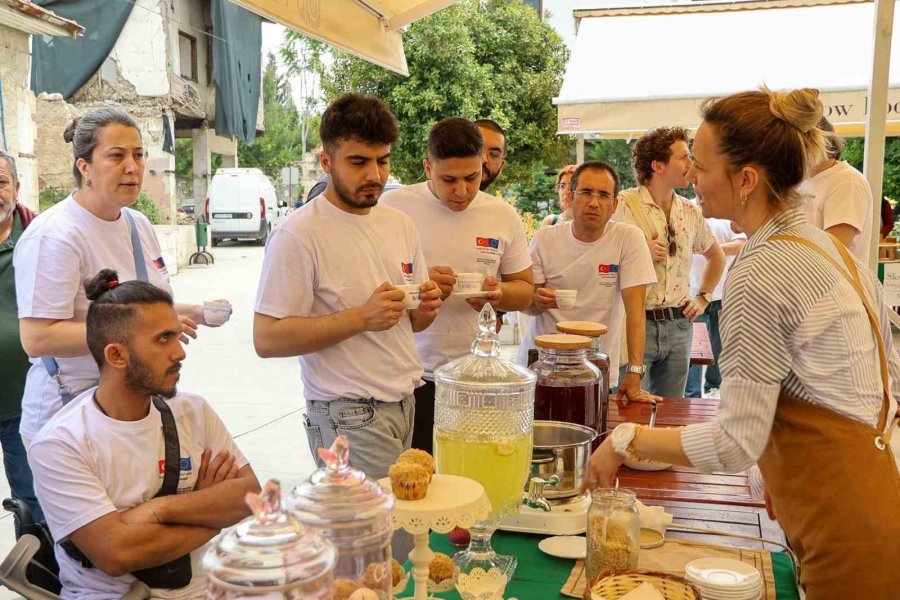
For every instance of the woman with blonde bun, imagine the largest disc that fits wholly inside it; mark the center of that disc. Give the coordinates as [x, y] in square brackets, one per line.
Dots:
[564, 200]
[810, 374]
[90, 230]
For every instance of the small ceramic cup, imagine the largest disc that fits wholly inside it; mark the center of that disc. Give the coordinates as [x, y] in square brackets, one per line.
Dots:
[412, 296]
[469, 282]
[565, 298]
[216, 312]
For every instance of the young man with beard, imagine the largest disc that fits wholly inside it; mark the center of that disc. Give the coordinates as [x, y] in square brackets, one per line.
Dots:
[462, 230]
[606, 261]
[494, 153]
[328, 294]
[133, 474]
[675, 231]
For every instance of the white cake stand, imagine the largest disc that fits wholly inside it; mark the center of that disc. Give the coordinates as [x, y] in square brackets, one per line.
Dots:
[451, 502]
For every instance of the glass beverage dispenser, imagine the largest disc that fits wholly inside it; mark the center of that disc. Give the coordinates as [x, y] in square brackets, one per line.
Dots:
[483, 427]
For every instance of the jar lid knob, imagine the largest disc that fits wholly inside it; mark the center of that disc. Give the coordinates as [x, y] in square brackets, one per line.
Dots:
[266, 506]
[487, 342]
[337, 458]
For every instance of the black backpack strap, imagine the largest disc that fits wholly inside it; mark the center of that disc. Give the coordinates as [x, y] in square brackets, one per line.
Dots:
[173, 448]
[170, 479]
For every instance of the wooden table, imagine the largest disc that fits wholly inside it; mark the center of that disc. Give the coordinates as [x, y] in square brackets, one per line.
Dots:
[684, 484]
[701, 347]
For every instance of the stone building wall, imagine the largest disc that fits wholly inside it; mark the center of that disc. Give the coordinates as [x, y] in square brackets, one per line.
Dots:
[18, 110]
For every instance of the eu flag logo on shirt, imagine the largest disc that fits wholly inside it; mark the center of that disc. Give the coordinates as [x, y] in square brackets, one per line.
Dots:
[159, 263]
[483, 242]
[407, 268]
[608, 268]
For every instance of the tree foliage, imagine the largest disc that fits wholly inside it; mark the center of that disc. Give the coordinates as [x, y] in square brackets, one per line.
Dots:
[477, 59]
[853, 153]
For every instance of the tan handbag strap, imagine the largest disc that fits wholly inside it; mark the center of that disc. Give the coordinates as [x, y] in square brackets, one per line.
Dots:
[632, 201]
[851, 274]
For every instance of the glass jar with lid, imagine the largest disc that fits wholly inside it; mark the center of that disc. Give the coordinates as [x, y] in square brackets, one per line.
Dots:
[613, 531]
[269, 555]
[599, 359]
[483, 428]
[567, 383]
[353, 513]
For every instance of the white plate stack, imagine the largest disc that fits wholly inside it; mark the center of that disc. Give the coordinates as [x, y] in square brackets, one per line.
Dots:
[724, 579]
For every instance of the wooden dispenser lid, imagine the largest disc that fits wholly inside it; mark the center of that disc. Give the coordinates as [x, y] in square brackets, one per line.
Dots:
[586, 328]
[562, 341]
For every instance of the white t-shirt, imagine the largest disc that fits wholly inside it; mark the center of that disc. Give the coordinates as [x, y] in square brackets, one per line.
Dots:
[62, 247]
[841, 195]
[620, 259]
[87, 465]
[721, 229]
[323, 260]
[488, 237]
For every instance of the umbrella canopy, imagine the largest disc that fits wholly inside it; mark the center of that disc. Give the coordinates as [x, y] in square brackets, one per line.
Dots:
[632, 71]
[370, 29]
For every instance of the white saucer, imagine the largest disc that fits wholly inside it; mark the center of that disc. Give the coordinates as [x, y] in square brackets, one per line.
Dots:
[723, 573]
[465, 295]
[646, 465]
[572, 547]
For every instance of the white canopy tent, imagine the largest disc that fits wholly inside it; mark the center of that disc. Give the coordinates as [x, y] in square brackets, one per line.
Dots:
[369, 29]
[666, 60]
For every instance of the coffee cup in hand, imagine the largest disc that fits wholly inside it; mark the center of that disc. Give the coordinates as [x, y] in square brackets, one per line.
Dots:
[411, 297]
[469, 282]
[216, 312]
[565, 298]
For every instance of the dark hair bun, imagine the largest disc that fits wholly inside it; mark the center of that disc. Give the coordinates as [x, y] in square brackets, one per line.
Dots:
[99, 283]
[69, 133]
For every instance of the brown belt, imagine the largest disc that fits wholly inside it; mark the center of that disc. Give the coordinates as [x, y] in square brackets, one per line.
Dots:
[665, 314]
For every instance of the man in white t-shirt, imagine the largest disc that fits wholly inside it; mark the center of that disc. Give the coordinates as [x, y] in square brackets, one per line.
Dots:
[100, 463]
[463, 230]
[838, 199]
[731, 239]
[328, 294]
[675, 231]
[607, 262]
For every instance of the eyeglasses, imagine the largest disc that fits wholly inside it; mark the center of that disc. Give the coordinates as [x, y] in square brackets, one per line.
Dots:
[588, 194]
[494, 154]
[562, 186]
[670, 232]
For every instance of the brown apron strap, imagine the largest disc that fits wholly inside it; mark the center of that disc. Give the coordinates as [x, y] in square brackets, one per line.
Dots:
[853, 278]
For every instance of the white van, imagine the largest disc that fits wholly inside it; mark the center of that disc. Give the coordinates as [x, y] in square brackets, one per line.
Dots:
[241, 204]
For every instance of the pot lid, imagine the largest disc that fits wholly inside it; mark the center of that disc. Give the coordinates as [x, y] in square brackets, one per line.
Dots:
[562, 341]
[585, 328]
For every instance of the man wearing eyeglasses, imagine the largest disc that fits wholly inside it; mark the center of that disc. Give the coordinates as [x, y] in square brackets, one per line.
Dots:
[675, 230]
[609, 265]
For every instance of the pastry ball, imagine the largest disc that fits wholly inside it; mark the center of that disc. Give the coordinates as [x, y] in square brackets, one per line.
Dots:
[441, 568]
[397, 572]
[342, 589]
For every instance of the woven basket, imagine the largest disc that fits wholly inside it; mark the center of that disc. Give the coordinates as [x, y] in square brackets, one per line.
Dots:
[615, 584]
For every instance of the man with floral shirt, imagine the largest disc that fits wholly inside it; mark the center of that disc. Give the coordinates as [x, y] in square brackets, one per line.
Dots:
[675, 231]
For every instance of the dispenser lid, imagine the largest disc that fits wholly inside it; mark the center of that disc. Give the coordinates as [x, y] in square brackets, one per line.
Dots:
[269, 549]
[585, 328]
[562, 341]
[483, 366]
[338, 493]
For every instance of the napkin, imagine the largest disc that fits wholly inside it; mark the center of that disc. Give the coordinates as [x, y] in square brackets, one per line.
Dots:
[645, 591]
[654, 517]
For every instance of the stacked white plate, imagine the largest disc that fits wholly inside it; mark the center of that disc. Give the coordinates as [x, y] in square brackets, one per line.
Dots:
[724, 579]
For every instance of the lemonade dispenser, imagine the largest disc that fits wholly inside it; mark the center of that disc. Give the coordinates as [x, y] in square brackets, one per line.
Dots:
[483, 426]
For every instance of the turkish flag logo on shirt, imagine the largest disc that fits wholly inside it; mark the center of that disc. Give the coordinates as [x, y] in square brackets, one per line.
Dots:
[608, 268]
[407, 268]
[483, 242]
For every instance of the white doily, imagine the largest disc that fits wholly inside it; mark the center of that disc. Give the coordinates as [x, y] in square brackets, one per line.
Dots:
[481, 584]
[450, 502]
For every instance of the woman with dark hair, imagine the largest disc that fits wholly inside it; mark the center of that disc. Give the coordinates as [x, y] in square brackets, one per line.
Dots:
[91, 229]
[809, 371]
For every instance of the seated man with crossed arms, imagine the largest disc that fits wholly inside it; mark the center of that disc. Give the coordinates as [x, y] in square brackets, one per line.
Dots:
[135, 477]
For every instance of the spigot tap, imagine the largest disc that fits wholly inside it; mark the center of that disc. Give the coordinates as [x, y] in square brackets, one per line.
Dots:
[535, 496]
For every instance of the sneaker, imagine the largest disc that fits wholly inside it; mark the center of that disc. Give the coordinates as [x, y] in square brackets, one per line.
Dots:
[711, 393]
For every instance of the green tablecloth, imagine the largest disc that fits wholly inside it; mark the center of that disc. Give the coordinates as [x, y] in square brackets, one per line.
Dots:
[541, 577]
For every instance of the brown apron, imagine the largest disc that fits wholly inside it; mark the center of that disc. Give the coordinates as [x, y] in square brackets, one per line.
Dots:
[834, 485]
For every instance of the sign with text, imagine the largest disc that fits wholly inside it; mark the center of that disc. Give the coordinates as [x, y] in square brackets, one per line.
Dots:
[892, 283]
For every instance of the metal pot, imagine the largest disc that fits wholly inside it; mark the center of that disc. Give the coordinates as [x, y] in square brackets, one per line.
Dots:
[563, 450]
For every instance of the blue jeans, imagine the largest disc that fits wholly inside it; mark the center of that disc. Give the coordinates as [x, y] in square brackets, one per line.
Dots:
[713, 376]
[667, 356]
[15, 463]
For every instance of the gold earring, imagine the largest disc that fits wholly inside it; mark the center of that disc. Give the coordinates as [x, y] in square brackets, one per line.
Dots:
[89, 183]
[743, 200]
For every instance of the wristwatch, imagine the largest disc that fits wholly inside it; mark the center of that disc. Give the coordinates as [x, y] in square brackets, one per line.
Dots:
[622, 437]
[639, 369]
[706, 296]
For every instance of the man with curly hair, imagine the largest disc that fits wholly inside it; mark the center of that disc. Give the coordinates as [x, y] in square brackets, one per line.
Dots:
[675, 231]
